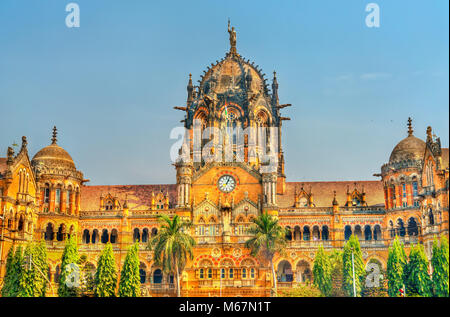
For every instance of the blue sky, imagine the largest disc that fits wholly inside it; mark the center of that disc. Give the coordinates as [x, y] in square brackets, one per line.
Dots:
[110, 85]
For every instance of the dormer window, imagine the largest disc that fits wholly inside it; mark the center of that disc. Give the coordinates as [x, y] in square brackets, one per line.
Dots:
[109, 205]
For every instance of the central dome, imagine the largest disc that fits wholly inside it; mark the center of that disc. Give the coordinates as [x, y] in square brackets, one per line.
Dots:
[410, 148]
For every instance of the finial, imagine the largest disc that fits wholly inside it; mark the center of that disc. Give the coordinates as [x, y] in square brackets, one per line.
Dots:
[10, 155]
[24, 142]
[410, 129]
[125, 204]
[55, 134]
[335, 203]
[429, 133]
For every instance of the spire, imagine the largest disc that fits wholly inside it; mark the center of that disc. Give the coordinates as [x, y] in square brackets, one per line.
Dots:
[190, 90]
[429, 134]
[335, 203]
[24, 143]
[275, 89]
[410, 129]
[55, 134]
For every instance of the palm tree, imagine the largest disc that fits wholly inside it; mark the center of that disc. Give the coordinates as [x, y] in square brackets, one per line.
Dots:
[172, 246]
[268, 238]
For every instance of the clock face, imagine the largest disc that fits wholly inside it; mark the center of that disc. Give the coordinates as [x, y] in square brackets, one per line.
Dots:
[226, 183]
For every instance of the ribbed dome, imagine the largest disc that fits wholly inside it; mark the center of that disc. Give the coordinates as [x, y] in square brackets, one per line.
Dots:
[53, 156]
[410, 148]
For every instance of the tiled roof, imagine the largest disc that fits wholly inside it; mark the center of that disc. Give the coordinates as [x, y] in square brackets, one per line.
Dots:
[139, 196]
[323, 192]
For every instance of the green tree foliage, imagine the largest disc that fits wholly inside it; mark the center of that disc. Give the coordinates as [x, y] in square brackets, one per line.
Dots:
[417, 279]
[440, 265]
[337, 276]
[25, 272]
[322, 271]
[301, 290]
[268, 238]
[87, 274]
[172, 246]
[352, 245]
[106, 274]
[129, 285]
[69, 279]
[395, 266]
[28, 273]
[15, 273]
[8, 279]
[40, 261]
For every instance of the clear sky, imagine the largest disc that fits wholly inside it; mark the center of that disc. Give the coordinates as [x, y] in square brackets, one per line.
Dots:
[110, 85]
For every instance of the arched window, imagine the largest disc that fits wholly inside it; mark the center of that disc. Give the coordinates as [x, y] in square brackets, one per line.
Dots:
[142, 273]
[136, 235]
[413, 229]
[209, 273]
[347, 232]
[212, 227]
[49, 234]
[391, 228]
[95, 236]
[145, 235]
[401, 228]
[201, 227]
[157, 276]
[297, 233]
[377, 233]
[47, 194]
[252, 273]
[105, 236]
[57, 199]
[114, 236]
[306, 233]
[430, 216]
[61, 232]
[316, 233]
[201, 273]
[20, 226]
[358, 232]
[86, 236]
[288, 233]
[244, 273]
[367, 233]
[284, 272]
[154, 232]
[325, 233]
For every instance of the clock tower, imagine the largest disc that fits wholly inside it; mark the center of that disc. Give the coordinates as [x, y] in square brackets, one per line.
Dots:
[231, 164]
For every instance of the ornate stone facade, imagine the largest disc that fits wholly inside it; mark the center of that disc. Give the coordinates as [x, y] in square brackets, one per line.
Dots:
[47, 198]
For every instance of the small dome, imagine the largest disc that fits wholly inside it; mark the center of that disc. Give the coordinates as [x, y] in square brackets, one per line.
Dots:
[410, 148]
[53, 155]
